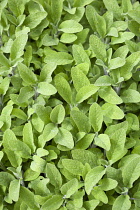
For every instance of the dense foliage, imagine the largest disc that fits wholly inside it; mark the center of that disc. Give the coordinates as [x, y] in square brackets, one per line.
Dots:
[69, 104]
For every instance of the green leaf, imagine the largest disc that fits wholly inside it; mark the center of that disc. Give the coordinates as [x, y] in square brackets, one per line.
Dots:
[99, 194]
[79, 78]
[112, 6]
[81, 121]
[19, 114]
[17, 7]
[116, 63]
[85, 156]
[126, 5]
[79, 54]
[109, 95]
[49, 132]
[6, 178]
[56, 10]
[108, 184]
[96, 117]
[134, 15]
[112, 111]
[68, 38]
[38, 164]
[130, 167]
[26, 74]
[131, 61]
[98, 47]
[18, 146]
[130, 96]
[91, 204]
[4, 85]
[93, 177]
[133, 121]
[30, 175]
[64, 138]
[35, 19]
[96, 21]
[104, 81]
[85, 92]
[63, 88]
[117, 150]
[57, 114]
[70, 26]
[28, 136]
[18, 46]
[54, 175]
[46, 89]
[82, 3]
[59, 58]
[69, 188]
[53, 203]
[25, 94]
[37, 123]
[42, 152]
[28, 197]
[14, 189]
[3, 60]
[73, 166]
[123, 36]
[102, 141]
[49, 40]
[122, 202]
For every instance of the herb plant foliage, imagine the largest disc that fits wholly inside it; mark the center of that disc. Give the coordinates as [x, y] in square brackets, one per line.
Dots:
[69, 104]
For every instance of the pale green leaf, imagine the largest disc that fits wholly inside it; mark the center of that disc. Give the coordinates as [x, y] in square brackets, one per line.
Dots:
[28, 197]
[93, 177]
[116, 63]
[68, 38]
[14, 189]
[34, 19]
[46, 89]
[96, 116]
[79, 54]
[81, 121]
[103, 141]
[57, 114]
[122, 202]
[98, 47]
[56, 10]
[73, 166]
[109, 95]
[70, 26]
[26, 74]
[117, 150]
[130, 96]
[85, 92]
[18, 46]
[59, 58]
[96, 21]
[79, 78]
[54, 175]
[112, 111]
[108, 184]
[6, 178]
[99, 194]
[28, 136]
[69, 188]
[64, 138]
[49, 132]
[53, 203]
[130, 168]
[103, 81]
[63, 88]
